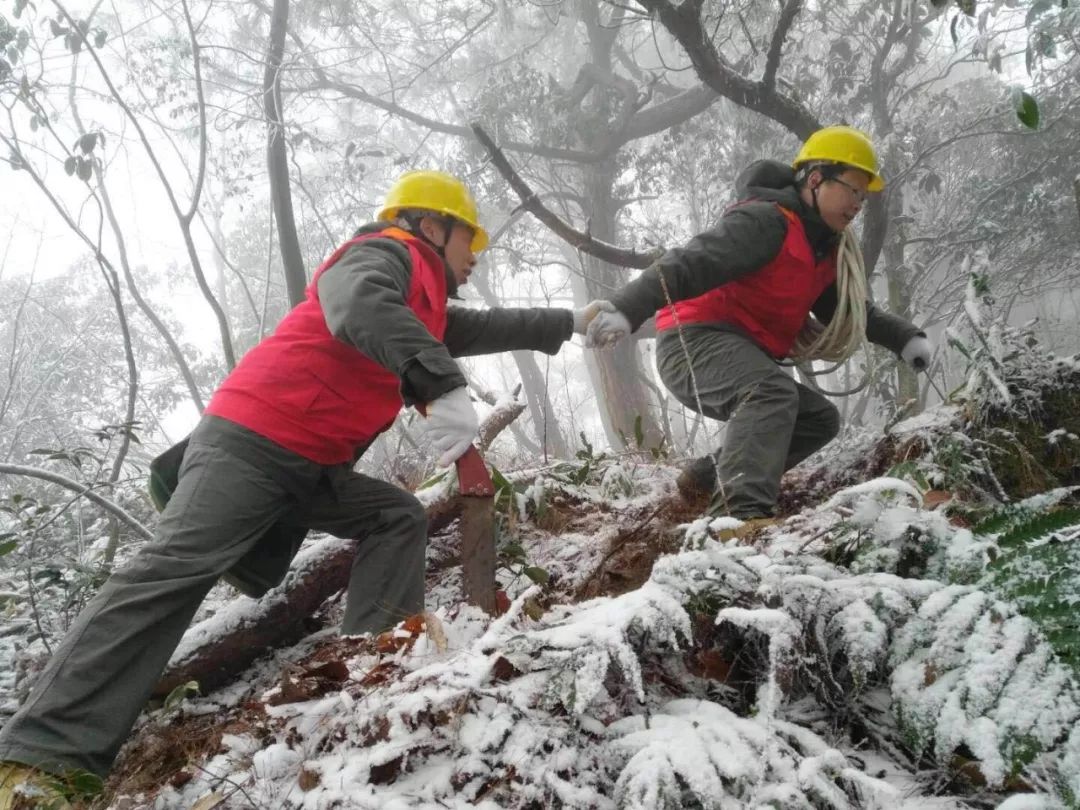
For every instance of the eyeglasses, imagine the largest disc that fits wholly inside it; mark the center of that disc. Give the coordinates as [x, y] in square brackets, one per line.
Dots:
[858, 193]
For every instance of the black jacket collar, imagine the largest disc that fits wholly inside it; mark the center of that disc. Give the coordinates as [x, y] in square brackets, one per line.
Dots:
[774, 181]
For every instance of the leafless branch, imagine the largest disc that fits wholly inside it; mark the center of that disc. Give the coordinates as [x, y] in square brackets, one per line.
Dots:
[82, 489]
[776, 46]
[531, 203]
[684, 23]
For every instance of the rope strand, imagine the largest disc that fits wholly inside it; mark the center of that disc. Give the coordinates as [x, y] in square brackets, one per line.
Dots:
[846, 331]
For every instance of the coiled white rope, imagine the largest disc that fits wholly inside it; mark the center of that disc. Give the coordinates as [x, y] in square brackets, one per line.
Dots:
[846, 331]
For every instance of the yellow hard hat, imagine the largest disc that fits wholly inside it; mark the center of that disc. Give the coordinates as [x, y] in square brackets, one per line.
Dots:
[845, 145]
[437, 192]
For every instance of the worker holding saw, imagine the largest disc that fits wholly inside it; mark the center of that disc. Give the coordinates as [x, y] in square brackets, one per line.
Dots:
[272, 458]
[779, 276]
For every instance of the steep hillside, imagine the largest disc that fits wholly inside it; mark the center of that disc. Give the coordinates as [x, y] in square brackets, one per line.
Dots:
[906, 636]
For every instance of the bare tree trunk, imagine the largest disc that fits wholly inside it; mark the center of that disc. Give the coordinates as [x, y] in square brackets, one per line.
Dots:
[113, 282]
[907, 387]
[536, 394]
[277, 158]
[1076, 192]
[616, 373]
[183, 216]
[125, 265]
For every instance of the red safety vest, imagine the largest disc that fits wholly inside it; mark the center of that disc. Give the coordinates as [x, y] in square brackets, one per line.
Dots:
[314, 394]
[771, 304]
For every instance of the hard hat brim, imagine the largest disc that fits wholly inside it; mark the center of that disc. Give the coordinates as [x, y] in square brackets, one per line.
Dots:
[480, 236]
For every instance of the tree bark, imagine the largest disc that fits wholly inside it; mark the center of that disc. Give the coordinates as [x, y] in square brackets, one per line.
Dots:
[277, 160]
[1076, 192]
[617, 373]
[536, 393]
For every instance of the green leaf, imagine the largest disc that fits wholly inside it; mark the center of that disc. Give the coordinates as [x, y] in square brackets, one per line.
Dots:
[8, 547]
[931, 183]
[99, 37]
[70, 165]
[435, 479]
[967, 6]
[952, 31]
[177, 695]
[534, 610]
[512, 551]
[1046, 45]
[499, 480]
[582, 474]
[34, 124]
[19, 6]
[1038, 8]
[1027, 109]
[537, 574]
[504, 490]
[80, 783]
[57, 29]
[639, 434]
[588, 447]
[49, 575]
[87, 142]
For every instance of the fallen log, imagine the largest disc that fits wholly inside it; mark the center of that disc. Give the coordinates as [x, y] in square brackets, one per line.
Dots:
[215, 651]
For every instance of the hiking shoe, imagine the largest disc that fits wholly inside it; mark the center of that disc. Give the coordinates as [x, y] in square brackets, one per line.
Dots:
[746, 530]
[24, 787]
[697, 479]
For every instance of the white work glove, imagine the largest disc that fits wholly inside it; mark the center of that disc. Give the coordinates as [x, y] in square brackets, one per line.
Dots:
[916, 353]
[583, 316]
[451, 425]
[607, 329]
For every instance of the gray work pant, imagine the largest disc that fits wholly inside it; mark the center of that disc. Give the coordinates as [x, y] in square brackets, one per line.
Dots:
[773, 421]
[233, 485]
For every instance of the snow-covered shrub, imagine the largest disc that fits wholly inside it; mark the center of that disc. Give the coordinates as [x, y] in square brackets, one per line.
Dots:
[968, 672]
[617, 482]
[696, 753]
[1037, 567]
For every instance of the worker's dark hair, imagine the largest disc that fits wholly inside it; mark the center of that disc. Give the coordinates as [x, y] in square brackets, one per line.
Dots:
[828, 170]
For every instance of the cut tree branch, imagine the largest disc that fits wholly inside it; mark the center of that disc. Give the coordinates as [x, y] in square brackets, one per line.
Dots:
[506, 411]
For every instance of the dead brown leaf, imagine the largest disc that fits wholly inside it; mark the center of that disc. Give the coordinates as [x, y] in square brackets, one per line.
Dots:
[935, 498]
[308, 779]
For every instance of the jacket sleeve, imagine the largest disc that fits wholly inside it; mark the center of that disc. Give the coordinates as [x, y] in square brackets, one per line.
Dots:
[486, 331]
[363, 299]
[883, 328]
[747, 238]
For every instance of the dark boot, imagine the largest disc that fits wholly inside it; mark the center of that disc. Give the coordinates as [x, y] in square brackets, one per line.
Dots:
[697, 479]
